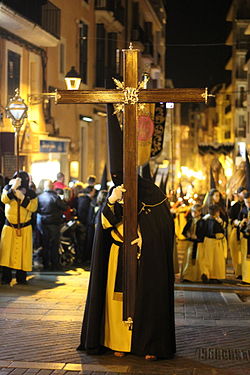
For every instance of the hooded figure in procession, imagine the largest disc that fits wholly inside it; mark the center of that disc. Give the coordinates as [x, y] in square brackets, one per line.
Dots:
[16, 244]
[153, 332]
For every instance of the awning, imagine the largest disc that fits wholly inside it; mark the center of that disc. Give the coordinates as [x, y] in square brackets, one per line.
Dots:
[215, 148]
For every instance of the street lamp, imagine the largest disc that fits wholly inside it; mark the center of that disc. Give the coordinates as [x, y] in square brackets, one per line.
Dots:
[16, 110]
[72, 79]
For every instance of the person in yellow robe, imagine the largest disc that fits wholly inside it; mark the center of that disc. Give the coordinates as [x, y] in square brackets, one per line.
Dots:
[235, 238]
[244, 219]
[193, 232]
[16, 243]
[213, 252]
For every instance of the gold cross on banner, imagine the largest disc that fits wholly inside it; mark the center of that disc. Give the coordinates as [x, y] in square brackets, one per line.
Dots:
[130, 95]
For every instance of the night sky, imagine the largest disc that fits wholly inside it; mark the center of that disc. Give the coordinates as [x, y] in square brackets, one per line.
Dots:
[197, 22]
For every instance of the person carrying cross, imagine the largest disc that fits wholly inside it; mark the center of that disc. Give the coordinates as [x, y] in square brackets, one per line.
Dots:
[153, 332]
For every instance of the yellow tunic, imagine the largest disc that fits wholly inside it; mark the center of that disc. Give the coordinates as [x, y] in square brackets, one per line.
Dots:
[235, 251]
[190, 267]
[211, 257]
[245, 261]
[180, 221]
[117, 335]
[16, 251]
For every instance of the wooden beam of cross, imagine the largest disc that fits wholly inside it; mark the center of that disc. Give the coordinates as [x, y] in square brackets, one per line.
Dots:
[130, 96]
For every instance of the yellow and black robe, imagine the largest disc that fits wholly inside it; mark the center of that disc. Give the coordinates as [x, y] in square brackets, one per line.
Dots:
[234, 240]
[153, 328]
[213, 252]
[16, 251]
[190, 269]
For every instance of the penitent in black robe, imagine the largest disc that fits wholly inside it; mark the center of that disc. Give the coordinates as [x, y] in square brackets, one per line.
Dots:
[153, 329]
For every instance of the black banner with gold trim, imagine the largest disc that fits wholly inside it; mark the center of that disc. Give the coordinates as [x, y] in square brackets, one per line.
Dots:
[159, 126]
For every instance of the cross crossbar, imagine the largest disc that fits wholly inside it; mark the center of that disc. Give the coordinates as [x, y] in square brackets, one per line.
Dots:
[117, 96]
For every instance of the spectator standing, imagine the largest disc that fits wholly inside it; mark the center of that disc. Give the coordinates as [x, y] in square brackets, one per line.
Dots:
[59, 183]
[91, 180]
[16, 244]
[86, 215]
[49, 220]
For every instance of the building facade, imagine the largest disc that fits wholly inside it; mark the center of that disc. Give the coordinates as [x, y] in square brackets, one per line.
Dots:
[39, 42]
[239, 16]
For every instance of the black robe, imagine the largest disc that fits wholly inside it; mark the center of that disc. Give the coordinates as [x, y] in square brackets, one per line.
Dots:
[153, 329]
[235, 210]
[199, 232]
[212, 227]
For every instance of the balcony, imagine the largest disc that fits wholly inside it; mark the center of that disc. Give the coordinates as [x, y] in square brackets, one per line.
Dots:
[111, 13]
[241, 74]
[240, 133]
[51, 19]
[27, 26]
[119, 14]
[108, 5]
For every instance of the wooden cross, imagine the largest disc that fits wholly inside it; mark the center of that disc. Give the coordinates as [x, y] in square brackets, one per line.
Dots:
[130, 96]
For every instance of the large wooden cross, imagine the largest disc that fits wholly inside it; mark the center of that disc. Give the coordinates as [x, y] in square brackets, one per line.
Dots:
[130, 95]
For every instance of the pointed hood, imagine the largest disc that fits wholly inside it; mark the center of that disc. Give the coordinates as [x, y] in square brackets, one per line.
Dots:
[155, 173]
[212, 181]
[115, 141]
[146, 172]
[162, 184]
[24, 178]
[181, 190]
[166, 181]
[247, 172]
[104, 179]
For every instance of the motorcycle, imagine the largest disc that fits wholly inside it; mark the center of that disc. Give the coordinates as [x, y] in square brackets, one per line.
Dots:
[68, 243]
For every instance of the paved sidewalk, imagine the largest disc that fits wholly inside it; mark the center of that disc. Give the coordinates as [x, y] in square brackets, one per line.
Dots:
[40, 326]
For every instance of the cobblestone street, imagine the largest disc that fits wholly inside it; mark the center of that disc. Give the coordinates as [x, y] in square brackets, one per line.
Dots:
[40, 325]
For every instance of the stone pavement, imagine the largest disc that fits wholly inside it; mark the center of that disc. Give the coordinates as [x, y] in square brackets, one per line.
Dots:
[40, 326]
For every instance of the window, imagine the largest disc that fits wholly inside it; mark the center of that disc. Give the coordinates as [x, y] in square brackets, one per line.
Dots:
[112, 46]
[13, 72]
[100, 54]
[83, 45]
[62, 58]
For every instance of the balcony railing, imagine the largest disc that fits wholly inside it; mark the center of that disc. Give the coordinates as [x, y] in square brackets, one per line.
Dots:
[112, 6]
[51, 19]
[108, 5]
[241, 74]
[240, 133]
[119, 14]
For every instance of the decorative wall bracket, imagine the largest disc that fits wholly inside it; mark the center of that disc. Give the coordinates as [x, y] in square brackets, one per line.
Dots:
[39, 98]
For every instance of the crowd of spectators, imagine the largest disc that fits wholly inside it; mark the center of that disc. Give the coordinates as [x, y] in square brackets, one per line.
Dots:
[53, 204]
